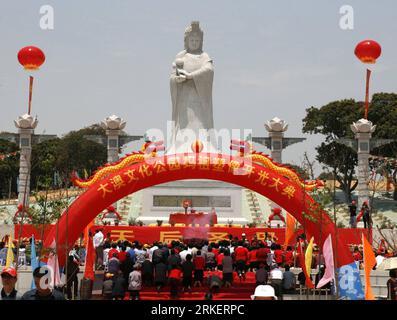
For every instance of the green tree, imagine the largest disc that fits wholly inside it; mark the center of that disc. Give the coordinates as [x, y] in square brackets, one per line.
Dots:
[333, 120]
[385, 118]
[47, 210]
[76, 153]
[44, 156]
[9, 168]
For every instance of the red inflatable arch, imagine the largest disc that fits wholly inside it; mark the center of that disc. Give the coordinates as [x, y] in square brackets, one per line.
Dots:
[266, 181]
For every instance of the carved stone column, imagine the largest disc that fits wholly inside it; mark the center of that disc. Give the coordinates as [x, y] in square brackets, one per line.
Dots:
[363, 130]
[276, 128]
[26, 125]
[113, 126]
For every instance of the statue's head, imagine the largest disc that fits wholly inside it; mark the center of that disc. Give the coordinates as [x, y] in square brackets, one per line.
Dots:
[194, 38]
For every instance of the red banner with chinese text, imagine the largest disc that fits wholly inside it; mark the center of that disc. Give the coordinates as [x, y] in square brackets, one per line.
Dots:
[148, 235]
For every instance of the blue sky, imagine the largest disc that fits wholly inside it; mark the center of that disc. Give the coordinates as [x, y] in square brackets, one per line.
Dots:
[271, 58]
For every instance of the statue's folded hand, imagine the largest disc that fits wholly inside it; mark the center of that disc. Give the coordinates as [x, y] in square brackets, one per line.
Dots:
[186, 74]
[180, 79]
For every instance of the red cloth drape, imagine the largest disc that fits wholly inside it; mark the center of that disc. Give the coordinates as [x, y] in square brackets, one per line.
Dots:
[89, 260]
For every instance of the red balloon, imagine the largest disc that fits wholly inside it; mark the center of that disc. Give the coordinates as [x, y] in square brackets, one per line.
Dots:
[31, 58]
[368, 51]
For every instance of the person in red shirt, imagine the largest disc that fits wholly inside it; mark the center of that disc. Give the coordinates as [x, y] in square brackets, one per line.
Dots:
[261, 254]
[289, 257]
[113, 250]
[252, 259]
[254, 241]
[174, 277]
[278, 255]
[122, 254]
[357, 255]
[215, 249]
[241, 256]
[199, 264]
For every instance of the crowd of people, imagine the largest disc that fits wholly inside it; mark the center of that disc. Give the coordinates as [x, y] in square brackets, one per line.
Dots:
[128, 267]
[179, 267]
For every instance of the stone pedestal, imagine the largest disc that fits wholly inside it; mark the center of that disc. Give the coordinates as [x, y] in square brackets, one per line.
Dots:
[161, 200]
[363, 130]
[113, 145]
[26, 125]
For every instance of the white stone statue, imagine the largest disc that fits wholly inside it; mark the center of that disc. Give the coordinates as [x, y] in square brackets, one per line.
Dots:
[191, 87]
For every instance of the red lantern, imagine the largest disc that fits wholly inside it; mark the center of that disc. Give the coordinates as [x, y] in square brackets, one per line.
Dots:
[31, 58]
[111, 209]
[197, 146]
[368, 51]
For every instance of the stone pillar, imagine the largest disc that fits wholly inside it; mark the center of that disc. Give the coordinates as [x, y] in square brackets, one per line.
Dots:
[276, 128]
[26, 125]
[363, 130]
[113, 126]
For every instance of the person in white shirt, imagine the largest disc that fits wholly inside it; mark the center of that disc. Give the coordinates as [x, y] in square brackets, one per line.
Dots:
[276, 279]
[106, 249]
[184, 253]
[151, 250]
[22, 256]
[193, 252]
[98, 245]
[379, 259]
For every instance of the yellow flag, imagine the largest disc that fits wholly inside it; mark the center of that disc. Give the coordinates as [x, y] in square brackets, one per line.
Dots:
[10, 254]
[308, 256]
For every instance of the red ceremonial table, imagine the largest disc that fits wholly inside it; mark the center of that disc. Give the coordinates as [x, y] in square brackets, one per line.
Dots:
[199, 218]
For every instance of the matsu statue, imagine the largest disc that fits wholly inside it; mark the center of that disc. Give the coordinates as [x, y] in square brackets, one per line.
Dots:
[191, 93]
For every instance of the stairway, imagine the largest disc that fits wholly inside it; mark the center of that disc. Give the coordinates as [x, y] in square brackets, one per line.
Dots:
[254, 206]
[123, 208]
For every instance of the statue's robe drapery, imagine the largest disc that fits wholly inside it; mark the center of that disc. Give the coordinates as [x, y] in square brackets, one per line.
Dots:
[192, 99]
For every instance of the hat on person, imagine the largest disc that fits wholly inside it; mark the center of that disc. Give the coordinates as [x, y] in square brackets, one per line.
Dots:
[10, 271]
[108, 275]
[264, 291]
[40, 272]
[243, 234]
